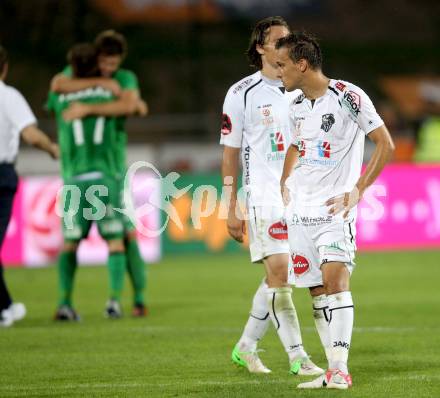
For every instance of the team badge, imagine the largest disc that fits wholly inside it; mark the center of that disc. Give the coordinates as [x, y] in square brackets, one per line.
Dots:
[226, 124]
[328, 120]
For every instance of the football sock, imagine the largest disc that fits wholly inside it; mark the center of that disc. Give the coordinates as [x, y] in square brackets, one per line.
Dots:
[136, 270]
[66, 272]
[116, 267]
[341, 326]
[258, 322]
[284, 317]
[321, 316]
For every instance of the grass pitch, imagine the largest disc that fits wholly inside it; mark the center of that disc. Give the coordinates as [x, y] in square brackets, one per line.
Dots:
[198, 306]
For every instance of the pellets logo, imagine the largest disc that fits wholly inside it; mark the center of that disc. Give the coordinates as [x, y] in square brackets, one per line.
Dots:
[324, 149]
[300, 264]
[278, 231]
[277, 141]
[226, 127]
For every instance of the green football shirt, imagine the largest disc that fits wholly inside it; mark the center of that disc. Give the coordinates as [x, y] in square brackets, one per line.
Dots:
[128, 81]
[89, 144]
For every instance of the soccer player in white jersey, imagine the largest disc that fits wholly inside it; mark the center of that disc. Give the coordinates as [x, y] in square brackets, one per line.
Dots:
[322, 184]
[256, 124]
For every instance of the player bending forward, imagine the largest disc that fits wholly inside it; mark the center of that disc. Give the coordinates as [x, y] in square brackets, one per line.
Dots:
[256, 124]
[322, 178]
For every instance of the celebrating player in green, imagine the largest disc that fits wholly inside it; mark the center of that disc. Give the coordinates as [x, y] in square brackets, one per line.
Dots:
[91, 186]
[112, 48]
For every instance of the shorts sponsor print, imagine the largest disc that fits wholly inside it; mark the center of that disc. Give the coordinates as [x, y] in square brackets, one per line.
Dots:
[267, 233]
[316, 238]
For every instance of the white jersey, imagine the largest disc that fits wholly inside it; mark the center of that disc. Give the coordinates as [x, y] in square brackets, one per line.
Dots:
[330, 133]
[256, 119]
[15, 115]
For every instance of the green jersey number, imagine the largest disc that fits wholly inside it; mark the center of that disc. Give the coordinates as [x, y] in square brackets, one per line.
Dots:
[98, 133]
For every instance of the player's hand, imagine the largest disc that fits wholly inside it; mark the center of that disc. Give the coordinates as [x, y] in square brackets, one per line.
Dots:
[344, 202]
[236, 226]
[111, 85]
[54, 151]
[142, 108]
[76, 110]
[285, 194]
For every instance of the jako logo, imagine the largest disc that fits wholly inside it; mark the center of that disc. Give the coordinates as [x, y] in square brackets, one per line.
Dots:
[342, 344]
[324, 149]
[278, 231]
[300, 264]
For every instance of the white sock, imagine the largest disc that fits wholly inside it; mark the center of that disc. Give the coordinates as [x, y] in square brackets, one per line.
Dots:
[258, 322]
[341, 327]
[321, 316]
[283, 315]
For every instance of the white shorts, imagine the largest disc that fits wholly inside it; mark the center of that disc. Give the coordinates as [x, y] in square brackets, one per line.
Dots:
[315, 238]
[267, 232]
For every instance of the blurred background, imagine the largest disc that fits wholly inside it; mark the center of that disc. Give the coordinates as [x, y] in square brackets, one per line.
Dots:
[187, 53]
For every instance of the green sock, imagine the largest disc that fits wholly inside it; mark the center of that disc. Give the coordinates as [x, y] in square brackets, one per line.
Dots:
[66, 273]
[136, 270]
[116, 267]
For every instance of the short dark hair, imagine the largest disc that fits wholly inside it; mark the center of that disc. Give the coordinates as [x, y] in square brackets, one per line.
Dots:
[83, 59]
[258, 37]
[110, 42]
[3, 58]
[302, 45]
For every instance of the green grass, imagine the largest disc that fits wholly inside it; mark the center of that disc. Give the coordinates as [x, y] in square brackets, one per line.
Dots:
[198, 307]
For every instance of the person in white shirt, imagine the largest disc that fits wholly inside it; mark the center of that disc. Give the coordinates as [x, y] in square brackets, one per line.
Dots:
[255, 123]
[16, 119]
[322, 184]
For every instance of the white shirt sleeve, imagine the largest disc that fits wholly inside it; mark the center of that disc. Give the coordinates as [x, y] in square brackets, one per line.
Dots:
[18, 110]
[232, 120]
[294, 126]
[362, 110]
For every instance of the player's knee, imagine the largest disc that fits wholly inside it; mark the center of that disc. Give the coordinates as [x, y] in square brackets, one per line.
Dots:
[115, 245]
[70, 246]
[131, 235]
[335, 286]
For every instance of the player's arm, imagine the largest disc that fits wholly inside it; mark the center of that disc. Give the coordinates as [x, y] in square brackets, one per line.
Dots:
[62, 83]
[230, 173]
[32, 135]
[383, 151]
[292, 156]
[231, 138]
[127, 104]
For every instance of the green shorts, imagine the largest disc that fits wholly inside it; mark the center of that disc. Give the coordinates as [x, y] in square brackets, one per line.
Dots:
[88, 201]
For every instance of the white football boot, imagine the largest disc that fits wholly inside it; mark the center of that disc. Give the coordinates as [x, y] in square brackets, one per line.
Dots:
[333, 378]
[249, 360]
[305, 367]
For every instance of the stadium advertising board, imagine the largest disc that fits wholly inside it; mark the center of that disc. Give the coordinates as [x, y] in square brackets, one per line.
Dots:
[401, 211]
[34, 236]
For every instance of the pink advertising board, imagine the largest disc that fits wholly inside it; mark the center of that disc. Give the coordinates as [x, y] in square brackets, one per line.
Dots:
[407, 209]
[34, 236]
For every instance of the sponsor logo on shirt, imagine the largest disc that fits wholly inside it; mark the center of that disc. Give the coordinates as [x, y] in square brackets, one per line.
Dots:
[278, 231]
[266, 112]
[277, 141]
[247, 155]
[324, 149]
[300, 265]
[340, 86]
[226, 127]
[301, 148]
[353, 102]
[242, 85]
[328, 120]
